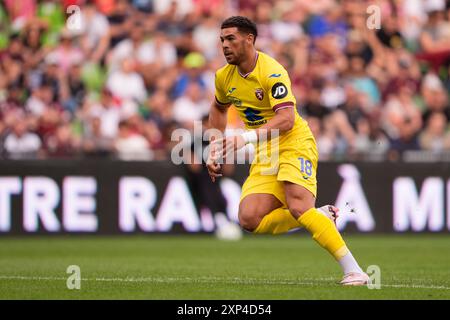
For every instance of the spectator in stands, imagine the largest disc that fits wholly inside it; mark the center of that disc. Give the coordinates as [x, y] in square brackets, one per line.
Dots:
[370, 140]
[66, 54]
[20, 12]
[73, 89]
[14, 99]
[205, 35]
[193, 72]
[402, 110]
[22, 143]
[191, 107]
[435, 97]
[95, 143]
[40, 100]
[160, 107]
[325, 137]
[435, 137]
[406, 140]
[11, 62]
[34, 49]
[63, 144]
[95, 32]
[131, 145]
[120, 22]
[126, 83]
[144, 6]
[153, 55]
[435, 37]
[107, 110]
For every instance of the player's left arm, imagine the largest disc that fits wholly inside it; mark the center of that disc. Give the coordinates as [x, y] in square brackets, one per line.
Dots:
[282, 101]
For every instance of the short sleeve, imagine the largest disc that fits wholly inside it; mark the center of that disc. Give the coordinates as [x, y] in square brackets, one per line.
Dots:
[220, 95]
[278, 85]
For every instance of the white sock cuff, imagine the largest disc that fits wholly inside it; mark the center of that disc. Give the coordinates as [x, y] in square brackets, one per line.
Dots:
[349, 264]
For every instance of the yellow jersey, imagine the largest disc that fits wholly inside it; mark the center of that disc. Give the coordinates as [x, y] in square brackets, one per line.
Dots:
[258, 94]
[257, 97]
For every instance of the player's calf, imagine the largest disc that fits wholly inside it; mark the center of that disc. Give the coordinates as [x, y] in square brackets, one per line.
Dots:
[299, 199]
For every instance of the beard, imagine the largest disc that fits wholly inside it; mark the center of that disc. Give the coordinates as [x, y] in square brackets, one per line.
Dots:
[236, 57]
[232, 60]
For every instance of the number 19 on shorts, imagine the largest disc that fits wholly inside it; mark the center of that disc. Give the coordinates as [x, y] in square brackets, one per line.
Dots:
[305, 166]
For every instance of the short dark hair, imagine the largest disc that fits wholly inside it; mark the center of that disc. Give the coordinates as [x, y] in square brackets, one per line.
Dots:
[243, 24]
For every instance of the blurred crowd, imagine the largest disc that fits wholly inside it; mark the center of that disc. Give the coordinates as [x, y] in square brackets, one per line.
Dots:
[116, 77]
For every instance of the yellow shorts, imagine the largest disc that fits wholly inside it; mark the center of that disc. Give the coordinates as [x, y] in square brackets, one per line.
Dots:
[297, 163]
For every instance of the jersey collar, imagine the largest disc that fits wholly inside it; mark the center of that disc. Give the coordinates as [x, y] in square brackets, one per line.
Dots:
[254, 66]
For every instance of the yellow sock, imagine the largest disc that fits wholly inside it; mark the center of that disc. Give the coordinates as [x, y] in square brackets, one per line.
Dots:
[324, 232]
[278, 221]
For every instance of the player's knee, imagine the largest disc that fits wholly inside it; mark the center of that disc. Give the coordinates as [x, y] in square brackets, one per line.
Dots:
[249, 221]
[299, 200]
[298, 208]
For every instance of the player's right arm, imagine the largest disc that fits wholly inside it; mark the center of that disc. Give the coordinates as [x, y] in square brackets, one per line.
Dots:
[217, 120]
[218, 116]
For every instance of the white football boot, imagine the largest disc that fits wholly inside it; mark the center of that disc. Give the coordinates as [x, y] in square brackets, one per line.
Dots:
[330, 211]
[355, 279]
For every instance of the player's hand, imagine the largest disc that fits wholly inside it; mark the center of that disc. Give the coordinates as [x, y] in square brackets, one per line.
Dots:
[214, 168]
[231, 144]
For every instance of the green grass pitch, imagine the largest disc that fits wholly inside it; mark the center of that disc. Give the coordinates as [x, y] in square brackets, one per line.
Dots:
[201, 267]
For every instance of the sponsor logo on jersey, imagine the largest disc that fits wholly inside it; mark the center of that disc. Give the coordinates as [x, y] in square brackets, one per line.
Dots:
[252, 115]
[257, 123]
[275, 75]
[231, 90]
[279, 90]
[253, 118]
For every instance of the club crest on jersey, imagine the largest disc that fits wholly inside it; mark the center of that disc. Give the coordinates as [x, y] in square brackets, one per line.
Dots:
[259, 93]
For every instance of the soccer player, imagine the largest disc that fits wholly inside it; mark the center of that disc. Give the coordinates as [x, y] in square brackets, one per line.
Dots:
[272, 202]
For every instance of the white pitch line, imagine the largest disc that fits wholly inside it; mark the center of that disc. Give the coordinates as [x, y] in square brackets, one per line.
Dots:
[31, 278]
[415, 286]
[249, 281]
